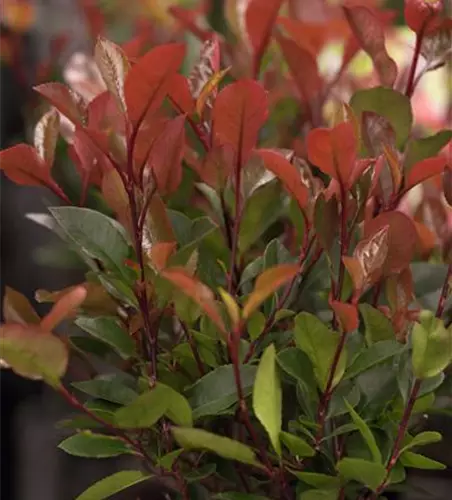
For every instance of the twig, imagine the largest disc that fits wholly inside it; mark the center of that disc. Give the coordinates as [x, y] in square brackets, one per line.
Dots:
[444, 293]
[414, 62]
[194, 349]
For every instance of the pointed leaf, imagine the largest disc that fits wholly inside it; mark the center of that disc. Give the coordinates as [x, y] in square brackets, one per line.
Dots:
[267, 284]
[347, 315]
[66, 101]
[422, 15]
[33, 353]
[422, 439]
[417, 461]
[17, 308]
[377, 326]
[113, 484]
[267, 396]
[425, 169]
[209, 89]
[320, 344]
[287, 173]
[297, 446]
[22, 165]
[368, 473]
[204, 70]
[46, 136]
[239, 112]
[426, 147]
[90, 445]
[64, 307]
[198, 439]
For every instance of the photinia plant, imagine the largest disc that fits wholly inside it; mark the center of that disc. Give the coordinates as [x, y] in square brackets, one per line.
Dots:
[268, 286]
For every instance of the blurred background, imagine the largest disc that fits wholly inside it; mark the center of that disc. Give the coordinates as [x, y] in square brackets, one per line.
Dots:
[45, 40]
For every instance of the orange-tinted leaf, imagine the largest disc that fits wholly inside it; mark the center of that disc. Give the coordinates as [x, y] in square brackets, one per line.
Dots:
[356, 272]
[347, 315]
[287, 174]
[369, 31]
[395, 166]
[334, 150]
[231, 307]
[166, 156]
[157, 226]
[179, 94]
[267, 284]
[17, 308]
[425, 169]
[197, 291]
[303, 66]
[33, 352]
[147, 82]
[64, 307]
[187, 19]
[113, 66]
[217, 166]
[260, 17]
[209, 89]
[46, 136]
[239, 112]
[23, 166]
[115, 195]
[66, 101]
[399, 290]
[422, 15]
[160, 253]
[402, 239]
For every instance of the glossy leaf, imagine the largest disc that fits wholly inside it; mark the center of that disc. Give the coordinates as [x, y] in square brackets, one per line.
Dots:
[198, 439]
[33, 353]
[320, 344]
[287, 173]
[46, 136]
[368, 473]
[216, 391]
[267, 396]
[239, 112]
[297, 446]
[108, 486]
[109, 331]
[376, 353]
[267, 284]
[148, 80]
[90, 445]
[369, 31]
[197, 291]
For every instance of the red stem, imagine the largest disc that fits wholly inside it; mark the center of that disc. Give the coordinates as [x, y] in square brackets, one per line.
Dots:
[444, 293]
[417, 52]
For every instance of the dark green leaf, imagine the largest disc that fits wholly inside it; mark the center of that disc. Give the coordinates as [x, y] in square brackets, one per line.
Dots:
[369, 474]
[421, 149]
[113, 484]
[319, 480]
[417, 461]
[217, 391]
[267, 396]
[346, 390]
[168, 460]
[109, 331]
[90, 445]
[109, 388]
[296, 445]
[198, 439]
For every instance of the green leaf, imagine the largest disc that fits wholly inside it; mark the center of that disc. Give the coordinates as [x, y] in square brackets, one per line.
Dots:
[319, 480]
[80, 422]
[99, 236]
[267, 396]
[377, 325]
[432, 346]
[324, 494]
[375, 354]
[113, 484]
[320, 344]
[168, 460]
[390, 104]
[232, 495]
[109, 331]
[366, 433]
[216, 391]
[368, 473]
[256, 324]
[296, 445]
[150, 406]
[345, 391]
[198, 439]
[417, 461]
[90, 445]
[33, 353]
[422, 439]
[109, 388]
[421, 149]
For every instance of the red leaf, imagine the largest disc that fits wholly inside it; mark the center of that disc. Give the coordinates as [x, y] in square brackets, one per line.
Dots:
[423, 15]
[447, 184]
[217, 166]
[166, 156]
[369, 31]
[64, 308]
[180, 96]
[65, 100]
[22, 165]
[260, 18]
[148, 81]
[160, 252]
[425, 169]
[197, 291]
[347, 315]
[239, 112]
[187, 19]
[303, 67]
[402, 239]
[287, 174]
[334, 150]
[104, 114]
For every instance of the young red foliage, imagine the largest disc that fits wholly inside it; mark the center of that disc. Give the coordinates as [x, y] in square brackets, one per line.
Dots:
[260, 18]
[239, 112]
[347, 315]
[334, 151]
[425, 169]
[369, 31]
[148, 81]
[423, 15]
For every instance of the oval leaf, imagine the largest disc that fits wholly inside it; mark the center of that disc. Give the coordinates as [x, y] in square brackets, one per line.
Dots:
[113, 484]
[90, 445]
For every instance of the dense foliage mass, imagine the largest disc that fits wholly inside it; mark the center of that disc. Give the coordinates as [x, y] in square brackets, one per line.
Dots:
[269, 261]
